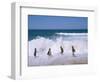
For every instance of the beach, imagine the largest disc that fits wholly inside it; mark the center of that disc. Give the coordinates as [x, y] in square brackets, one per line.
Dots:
[66, 40]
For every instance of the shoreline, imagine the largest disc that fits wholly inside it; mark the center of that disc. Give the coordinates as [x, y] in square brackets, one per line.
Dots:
[60, 60]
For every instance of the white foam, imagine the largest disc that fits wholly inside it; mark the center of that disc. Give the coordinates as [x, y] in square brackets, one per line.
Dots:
[80, 34]
[43, 44]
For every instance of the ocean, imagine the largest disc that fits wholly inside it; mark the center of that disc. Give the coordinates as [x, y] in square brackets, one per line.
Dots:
[32, 34]
[42, 40]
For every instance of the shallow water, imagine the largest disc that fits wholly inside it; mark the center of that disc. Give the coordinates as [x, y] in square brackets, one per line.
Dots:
[66, 40]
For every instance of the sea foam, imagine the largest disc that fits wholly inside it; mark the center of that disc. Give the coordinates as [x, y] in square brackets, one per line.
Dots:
[42, 45]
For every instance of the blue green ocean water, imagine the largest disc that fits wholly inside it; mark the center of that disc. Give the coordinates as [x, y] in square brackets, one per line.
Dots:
[32, 34]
